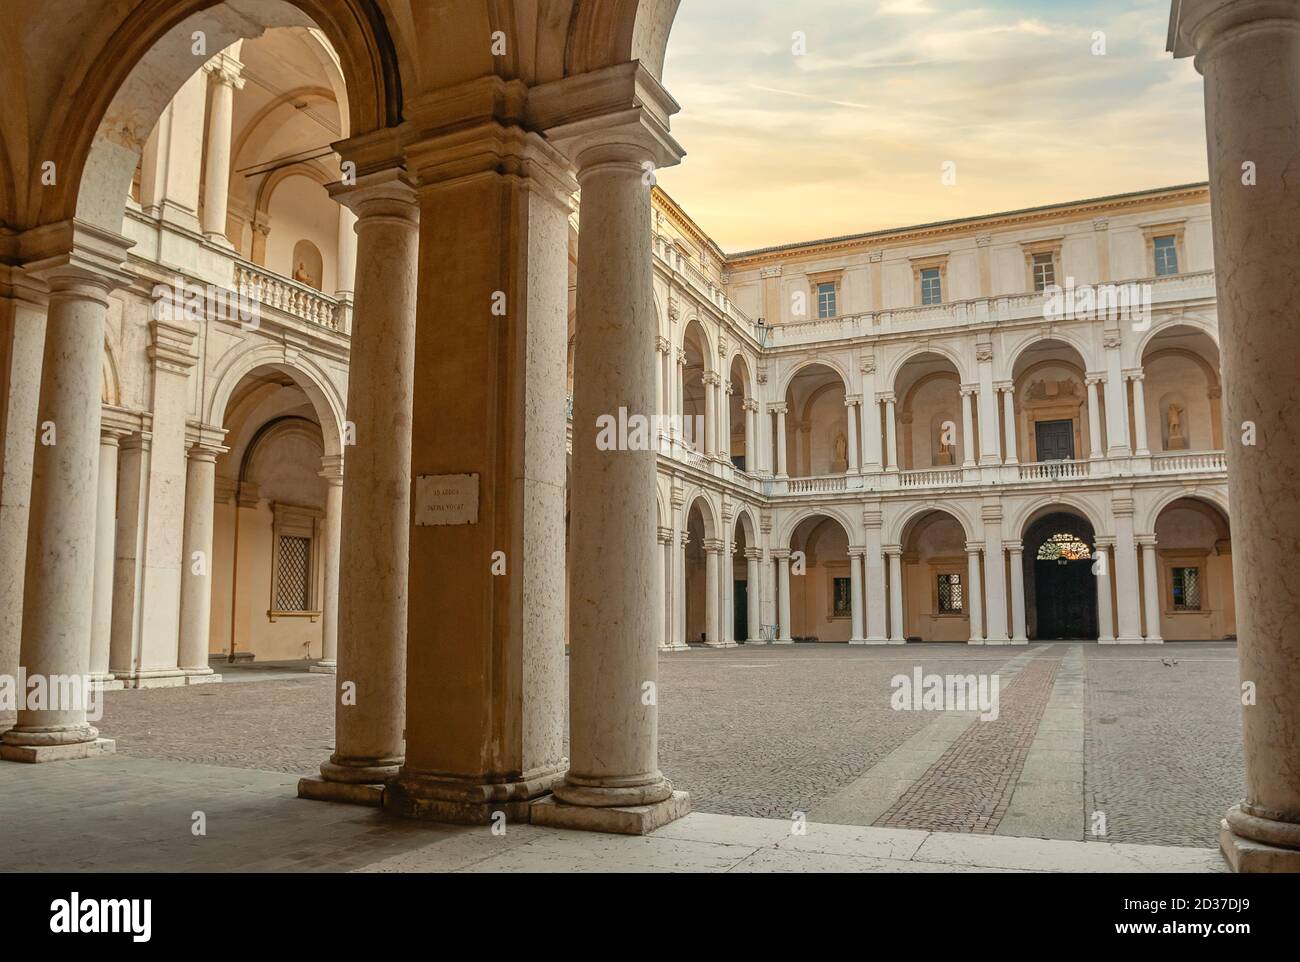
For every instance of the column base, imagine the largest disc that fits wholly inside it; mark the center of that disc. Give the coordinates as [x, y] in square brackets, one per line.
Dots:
[674, 647]
[1153, 641]
[153, 678]
[352, 793]
[106, 682]
[784, 641]
[36, 754]
[1020, 640]
[1247, 855]
[720, 644]
[613, 820]
[436, 798]
[997, 641]
[324, 668]
[873, 640]
[1129, 640]
[201, 676]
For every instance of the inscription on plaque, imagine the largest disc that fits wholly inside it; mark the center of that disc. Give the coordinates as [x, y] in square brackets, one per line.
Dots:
[446, 499]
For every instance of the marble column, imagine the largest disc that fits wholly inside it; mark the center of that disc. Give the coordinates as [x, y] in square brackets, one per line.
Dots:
[347, 266]
[1151, 594]
[613, 782]
[1116, 400]
[224, 79]
[780, 410]
[712, 589]
[61, 533]
[1094, 418]
[895, 553]
[682, 539]
[1016, 551]
[851, 429]
[751, 462]
[974, 593]
[196, 557]
[1249, 54]
[988, 406]
[855, 586]
[105, 533]
[1101, 567]
[995, 580]
[967, 427]
[753, 595]
[664, 538]
[1009, 422]
[783, 596]
[1126, 574]
[370, 698]
[1139, 415]
[874, 576]
[332, 472]
[891, 435]
[710, 447]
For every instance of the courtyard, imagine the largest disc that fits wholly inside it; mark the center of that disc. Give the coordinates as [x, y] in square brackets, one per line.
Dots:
[1136, 746]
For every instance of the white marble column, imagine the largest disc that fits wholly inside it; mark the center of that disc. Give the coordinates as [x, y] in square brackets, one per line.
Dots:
[1139, 414]
[1116, 400]
[1126, 575]
[1094, 418]
[851, 429]
[196, 557]
[995, 581]
[870, 421]
[967, 427]
[61, 533]
[1151, 593]
[855, 585]
[974, 593]
[1009, 422]
[753, 594]
[783, 596]
[663, 585]
[874, 577]
[896, 635]
[223, 80]
[1016, 550]
[988, 406]
[751, 452]
[710, 447]
[347, 267]
[712, 590]
[679, 591]
[891, 435]
[369, 706]
[1249, 54]
[780, 410]
[105, 539]
[332, 472]
[1101, 567]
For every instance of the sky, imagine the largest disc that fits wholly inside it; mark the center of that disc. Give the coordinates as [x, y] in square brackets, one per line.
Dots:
[857, 132]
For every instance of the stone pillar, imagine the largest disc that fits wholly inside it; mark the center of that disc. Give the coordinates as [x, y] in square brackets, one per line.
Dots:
[1150, 588]
[1249, 54]
[895, 553]
[712, 589]
[780, 410]
[974, 593]
[1016, 550]
[891, 435]
[988, 400]
[855, 586]
[347, 266]
[224, 79]
[170, 166]
[1116, 399]
[1101, 566]
[783, 596]
[332, 472]
[995, 581]
[1094, 417]
[61, 534]
[679, 590]
[374, 532]
[1126, 572]
[1139, 415]
[101, 624]
[877, 605]
[851, 404]
[751, 414]
[664, 538]
[128, 542]
[613, 782]
[753, 594]
[870, 418]
[196, 555]
[710, 447]
[967, 427]
[1009, 422]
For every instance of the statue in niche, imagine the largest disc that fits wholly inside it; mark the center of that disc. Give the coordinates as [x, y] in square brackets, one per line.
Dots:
[947, 445]
[841, 462]
[1174, 420]
[301, 276]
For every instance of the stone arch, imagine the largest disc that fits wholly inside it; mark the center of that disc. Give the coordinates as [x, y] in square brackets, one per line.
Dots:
[603, 33]
[901, 526]
[788, 377]
[111, 385]
[305, 372]
[1217, 499]
[1200, 324]
[1079, 346]
[1027, 513]
[149, 57]
[745, 519]
[790, 524]
[706, 343]
[708, 514]
[953, 357]
[312, 171]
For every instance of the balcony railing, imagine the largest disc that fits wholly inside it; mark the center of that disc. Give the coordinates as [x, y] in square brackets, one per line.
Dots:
[818, 485]
[1187, 463]
[1052, 470]
[283, 294]
[930, 478]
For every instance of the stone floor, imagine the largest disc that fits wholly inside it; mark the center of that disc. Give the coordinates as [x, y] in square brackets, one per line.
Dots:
[1103, 744]
[130, 814]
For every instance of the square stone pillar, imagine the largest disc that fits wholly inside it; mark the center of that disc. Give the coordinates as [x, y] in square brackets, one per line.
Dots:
[874, 575]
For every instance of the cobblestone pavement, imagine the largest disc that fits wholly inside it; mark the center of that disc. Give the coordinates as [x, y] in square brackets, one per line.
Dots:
[769, 731]
[969, 788]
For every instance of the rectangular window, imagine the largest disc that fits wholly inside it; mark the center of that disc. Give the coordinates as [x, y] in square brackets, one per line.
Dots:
[950, 598]
[843, 598]
[826, 306]
[931, 286]
[1044, 271]
[1166, 255]
[1187, 589]
[291, 583]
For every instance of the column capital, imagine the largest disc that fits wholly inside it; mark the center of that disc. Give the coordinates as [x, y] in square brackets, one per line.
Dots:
[711, 377]
[885, 397]
[75, 258]
[974, 547]
[1146, 540]
[893, 550]
[778, 408]
[615, 115]
[201, 439]
[1015, 546]
[1104, 541]
[753, 554]
[857, 551]
[387, 194]
[781, 554]
[331, 469]
[852, 400]
[171, 345]
[661, 344]
[664, 535]
[749, 404]
[225, 69]
[713, 545]
[967, 390]
[1007, 387]
[1093, 378]
[1199, 28]
[1134, 374]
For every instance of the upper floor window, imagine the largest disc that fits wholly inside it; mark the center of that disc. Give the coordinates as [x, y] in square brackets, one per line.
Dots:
[1186, 585]
[931, 286]
[826, 306]
[1044, 270]
[1165, 249]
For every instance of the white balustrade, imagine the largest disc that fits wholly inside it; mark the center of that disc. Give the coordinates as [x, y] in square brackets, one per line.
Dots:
[289, 296]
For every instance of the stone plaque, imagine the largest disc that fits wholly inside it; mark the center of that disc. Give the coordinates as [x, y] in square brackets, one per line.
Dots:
[446, 499]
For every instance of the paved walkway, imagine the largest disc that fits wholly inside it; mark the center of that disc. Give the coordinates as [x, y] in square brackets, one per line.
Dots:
[132, 814]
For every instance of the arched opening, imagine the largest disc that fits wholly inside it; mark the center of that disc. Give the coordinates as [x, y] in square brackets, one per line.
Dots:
[1182, 392]
[1060, 586]
[702, 582]
[939, 594]
[1194, 572]
[821, 581]
[743, 577]
[696, 384]
[931, 422]
[1051, 409]
[739, 443]
[817, 434]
